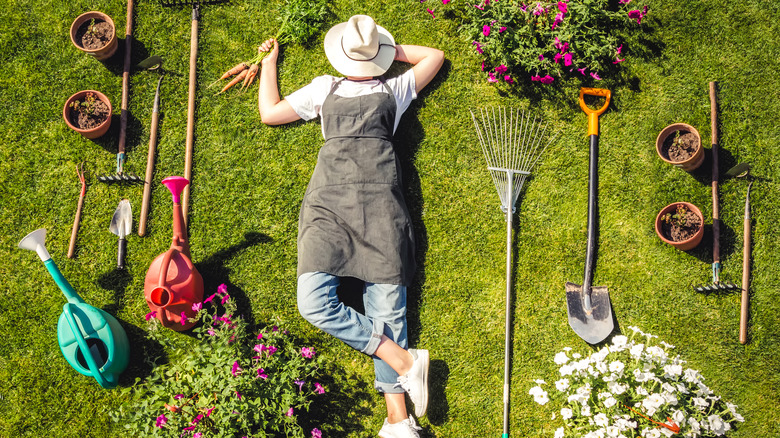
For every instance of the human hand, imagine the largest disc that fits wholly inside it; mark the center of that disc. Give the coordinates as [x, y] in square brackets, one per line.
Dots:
[272, 46]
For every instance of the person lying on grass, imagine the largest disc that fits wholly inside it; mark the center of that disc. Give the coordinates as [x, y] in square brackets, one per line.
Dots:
[354, 221]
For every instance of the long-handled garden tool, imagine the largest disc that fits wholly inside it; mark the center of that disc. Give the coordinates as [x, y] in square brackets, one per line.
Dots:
[716, 285]
[589, 307]
[92, 341]
[150, 161]
[190, 139]
[121, 225]
[512, 143]
[77, 219]
[121, 175]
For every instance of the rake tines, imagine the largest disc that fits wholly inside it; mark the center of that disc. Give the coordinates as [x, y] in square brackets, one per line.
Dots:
[126, 177]
[190, 3]
[716, 287]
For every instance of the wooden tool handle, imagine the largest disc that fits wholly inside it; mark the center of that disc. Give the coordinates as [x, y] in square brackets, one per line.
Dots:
[190, 112]
[149, 171]
[75, 231]
[126, 80]
[715, 207]
[745, 302]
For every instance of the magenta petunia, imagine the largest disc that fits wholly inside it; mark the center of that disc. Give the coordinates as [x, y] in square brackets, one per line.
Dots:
[567, 59]
[492, 77]
[261, 374]
[211, 297]
[290, 412]
[562, 7]
[161, 420]
[547, 79]
[508, 79]
[300, 384]
[318, 388]
[178, 396]
[581, 70]
[444, 2]
[208, 412]
[150, 315]
[430, 11]
[501, 29]
[307, 352]
[316, 433]
[557, 58]
[196, 307]
[478, 46]
[595, 76]
[541, 57]
[236, 369]
[486, 30]
[222, 289]
[501, 69]
[183, 318]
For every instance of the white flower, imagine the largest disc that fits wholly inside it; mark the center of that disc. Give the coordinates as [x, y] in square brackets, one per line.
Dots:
[700, 403]
[616, 388]
[717, 425]
[642, 391]
[617, 367]
[619, 341]
[540, 382]
[694, 425]
[635, 329]
[601, 420]
[669, 398]
[612, 431]
[682, 389]
[636, 350]
[562, 384]
[666, 432]
[652, 402]
[657, 353]
[577, 398]
[540, 395]
[602, 367]
[566, 413]
[566, 370]
[651, 433]
[668, 346]
[642, 377]
[733, 409]
[576, 355]
[609, 402]
[561, 358]
[678, 417]
[559, 433]
[585, 411]
[691, 376]
[672, 370]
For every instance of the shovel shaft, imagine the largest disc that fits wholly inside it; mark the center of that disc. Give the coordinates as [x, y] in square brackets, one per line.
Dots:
[593, 217]
[745, 301]
[191, 109]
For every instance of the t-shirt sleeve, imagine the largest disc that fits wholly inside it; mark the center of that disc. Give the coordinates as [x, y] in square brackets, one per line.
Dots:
[307, 101]
[403, 87]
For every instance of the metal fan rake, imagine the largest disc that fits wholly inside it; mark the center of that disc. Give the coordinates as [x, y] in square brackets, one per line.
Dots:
[512, 141]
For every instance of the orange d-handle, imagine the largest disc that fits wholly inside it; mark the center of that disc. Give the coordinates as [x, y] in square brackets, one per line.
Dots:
[593, 115]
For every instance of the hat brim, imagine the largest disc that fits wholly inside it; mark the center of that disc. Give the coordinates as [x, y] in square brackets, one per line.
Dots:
[350, 67]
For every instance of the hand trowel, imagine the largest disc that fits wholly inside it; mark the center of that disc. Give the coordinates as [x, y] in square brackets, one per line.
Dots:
[121, 225]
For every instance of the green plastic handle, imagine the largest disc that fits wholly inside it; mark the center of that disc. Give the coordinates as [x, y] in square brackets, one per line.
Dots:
[63, 284]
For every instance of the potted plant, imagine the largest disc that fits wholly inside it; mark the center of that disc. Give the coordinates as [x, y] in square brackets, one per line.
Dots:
[680, 145]
[681, 225]
[95, 34]
[88, 112]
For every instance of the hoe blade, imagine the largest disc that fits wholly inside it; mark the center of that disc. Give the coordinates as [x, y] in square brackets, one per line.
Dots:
[590, 314]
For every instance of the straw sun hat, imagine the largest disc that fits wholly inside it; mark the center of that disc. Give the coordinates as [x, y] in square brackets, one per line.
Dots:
[359, 47]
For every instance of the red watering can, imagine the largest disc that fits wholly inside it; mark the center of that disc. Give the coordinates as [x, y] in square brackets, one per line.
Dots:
[172, 283]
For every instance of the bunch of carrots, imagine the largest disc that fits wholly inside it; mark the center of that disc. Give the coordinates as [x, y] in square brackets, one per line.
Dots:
[301, 20]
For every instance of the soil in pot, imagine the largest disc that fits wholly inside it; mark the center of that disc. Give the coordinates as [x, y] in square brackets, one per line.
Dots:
[94, 34]
[90, 113]
[680, 145]
[680, 225]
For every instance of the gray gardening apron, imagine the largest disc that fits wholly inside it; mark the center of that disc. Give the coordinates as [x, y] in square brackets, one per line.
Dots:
[354, 221]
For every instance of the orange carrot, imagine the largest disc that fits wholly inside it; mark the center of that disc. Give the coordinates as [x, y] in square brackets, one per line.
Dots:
[250, 76]
[234, 71]
[235, 80]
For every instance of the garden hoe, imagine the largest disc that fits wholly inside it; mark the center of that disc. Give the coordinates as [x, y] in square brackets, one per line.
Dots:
[152, 63]
[512, 143]
[190, 139]
[716, 285]
[589, 308]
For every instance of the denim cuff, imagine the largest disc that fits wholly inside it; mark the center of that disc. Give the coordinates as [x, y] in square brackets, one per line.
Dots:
[388, 388]
[376, 337]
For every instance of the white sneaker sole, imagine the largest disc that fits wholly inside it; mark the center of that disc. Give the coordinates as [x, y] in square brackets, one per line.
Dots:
[424, 357]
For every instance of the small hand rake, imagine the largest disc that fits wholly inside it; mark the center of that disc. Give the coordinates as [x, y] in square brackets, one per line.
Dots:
[512, 143]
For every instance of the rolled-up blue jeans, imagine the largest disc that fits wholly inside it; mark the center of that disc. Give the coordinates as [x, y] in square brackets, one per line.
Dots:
[385, 314]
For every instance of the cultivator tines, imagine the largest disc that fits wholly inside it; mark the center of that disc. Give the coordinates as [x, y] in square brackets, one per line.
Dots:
[721, 286]
[190, 3]
[126, 177]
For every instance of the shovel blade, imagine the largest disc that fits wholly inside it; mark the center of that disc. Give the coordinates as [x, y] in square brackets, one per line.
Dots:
[594, 323]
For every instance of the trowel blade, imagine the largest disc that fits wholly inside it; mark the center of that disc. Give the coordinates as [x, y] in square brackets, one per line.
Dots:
[122, 221]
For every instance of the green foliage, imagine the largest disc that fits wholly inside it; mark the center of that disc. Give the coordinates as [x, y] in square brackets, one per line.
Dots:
[86, 106]
[547, 40]
[301, 20]
[229, 383]
[678, 218]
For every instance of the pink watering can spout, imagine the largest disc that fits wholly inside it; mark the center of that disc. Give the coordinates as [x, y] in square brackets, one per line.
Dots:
[173, 283]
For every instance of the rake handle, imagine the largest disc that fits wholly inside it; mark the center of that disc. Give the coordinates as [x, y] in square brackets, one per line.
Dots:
[191, 109]
[149, 171]
[715, 177]
[745, 301]
[75, 231]
[125, 89]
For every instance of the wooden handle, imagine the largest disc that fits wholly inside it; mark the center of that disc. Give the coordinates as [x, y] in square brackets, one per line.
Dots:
[745, 304]
[75, 231]
[149, 171]
[190, 114]
[715, 207]
[126, 80]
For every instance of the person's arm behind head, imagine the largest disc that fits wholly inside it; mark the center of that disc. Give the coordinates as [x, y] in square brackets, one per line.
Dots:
[273, 110]
[426, 62]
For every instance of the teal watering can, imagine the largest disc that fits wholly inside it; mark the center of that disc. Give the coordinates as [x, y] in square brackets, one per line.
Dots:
[92, 341]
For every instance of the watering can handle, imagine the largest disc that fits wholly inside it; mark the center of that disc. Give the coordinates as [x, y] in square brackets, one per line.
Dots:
[593, 115]
[79, 337]
[62, 282]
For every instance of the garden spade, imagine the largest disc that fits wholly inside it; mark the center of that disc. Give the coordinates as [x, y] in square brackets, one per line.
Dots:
[121, 224]
[588, 306]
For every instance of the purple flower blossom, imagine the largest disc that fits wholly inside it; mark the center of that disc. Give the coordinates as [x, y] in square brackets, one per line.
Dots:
[319, 389]
[486, 30]
[316, 433]
[259, 336]
[637, 15]
[581, 70]
[557, 57]
[541, 57]
[501, 69]
[509, 79]
[501, 29]
[238, 394]
[595, 76]
[300, 384]
[539, 9]
[225, 298]
[547, 79]
[558, 20]
[492, 77]
[261, 374]
[479, 47]
[290, 412]
[444, 2]
[236, 369]
[196, 307]
[562, 7]
[222, 289]
[567, 59]
[430, 11]
[211, 332]
[178, 396]
[482, 66]
[208, 412]
[307, 352]
[161, 420]
[197, 435]
[210, 298]
[150, 315]
[183, 318]
[479, 7]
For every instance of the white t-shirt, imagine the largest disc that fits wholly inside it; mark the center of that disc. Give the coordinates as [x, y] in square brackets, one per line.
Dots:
[307, 101]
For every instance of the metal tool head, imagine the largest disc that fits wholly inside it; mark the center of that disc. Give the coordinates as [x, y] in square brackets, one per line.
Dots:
[193, 3]
[721, 286]
[590, 312]
[125, 177]
[122, 221]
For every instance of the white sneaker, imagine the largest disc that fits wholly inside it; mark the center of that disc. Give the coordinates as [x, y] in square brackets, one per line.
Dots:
[405, 429]
[415, 382]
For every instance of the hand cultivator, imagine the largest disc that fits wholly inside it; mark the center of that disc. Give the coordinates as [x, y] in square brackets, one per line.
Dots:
[512, 144]
[77, 219]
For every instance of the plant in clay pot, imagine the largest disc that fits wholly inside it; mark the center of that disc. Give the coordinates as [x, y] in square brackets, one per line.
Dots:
[88, 112]
[680, 145]
[95, 34]
[681, 225]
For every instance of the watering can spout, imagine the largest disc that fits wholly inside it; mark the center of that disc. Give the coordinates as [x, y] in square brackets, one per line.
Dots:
[36, 241]
[175, 185]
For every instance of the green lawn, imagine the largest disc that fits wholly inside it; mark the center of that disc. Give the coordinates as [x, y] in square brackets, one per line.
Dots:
[249, 179]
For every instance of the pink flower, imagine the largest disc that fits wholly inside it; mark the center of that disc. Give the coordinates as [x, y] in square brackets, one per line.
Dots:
[541, 57]
[261, 374]
[444, 2]
[558, 20]
[196, 307]
[319, 389]
[509, 79]
[183, 318]
[225, 298]
[492, 77]
[595, 76]
[482, 67]
[562, 7]
[624, 2]
[430, 11]
[290, 412]
[543, 79]
[307, 352]
[150, 315]
[197, 435]
[501, 69]
[222, 289]
[259, 336]
[479, 47]
[479, 7]
[211, 332]
[300, 384]
[557, 57]
[539, 9]
[581, 70]
[209, 411]
[619, 49]
[523, 7]
[486, 30]
[501, 29]
[316, 433]
[236, 369]
[210, 298]
[271, 350]
[567, 59]
[238, 394]
[161, 420]
[637, 15]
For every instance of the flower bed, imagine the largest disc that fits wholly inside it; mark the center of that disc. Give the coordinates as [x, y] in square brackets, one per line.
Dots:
[543, 41]
[634, 387]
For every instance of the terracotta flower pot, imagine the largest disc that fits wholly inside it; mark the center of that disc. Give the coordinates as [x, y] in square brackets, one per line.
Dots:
[692, 237]
[679, 144]
[97, 127]
[101, 48]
